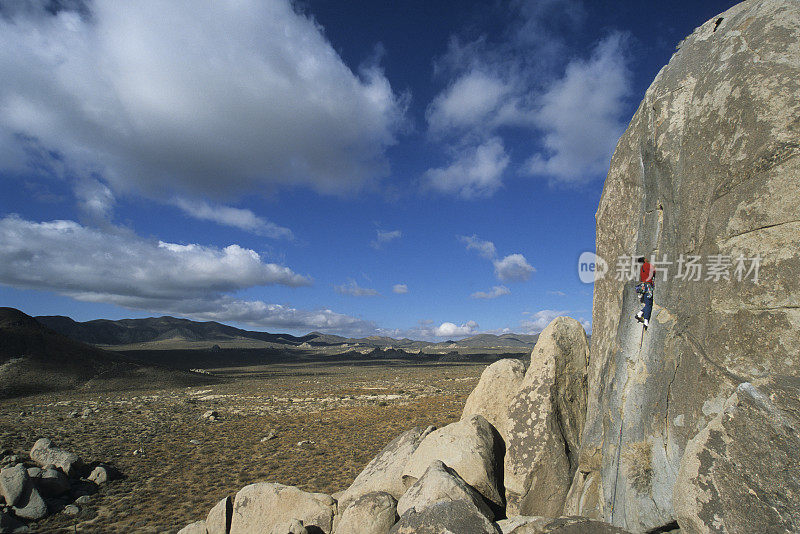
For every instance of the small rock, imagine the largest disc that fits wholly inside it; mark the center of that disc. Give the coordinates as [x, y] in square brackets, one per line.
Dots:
[306, 443]
[270, 435]
[138, 452]
[73, 414]
[71, 510]
[34, 472]
[194, 442]
[210, 415]
[83, 499]
[86, 413]
[99, 475]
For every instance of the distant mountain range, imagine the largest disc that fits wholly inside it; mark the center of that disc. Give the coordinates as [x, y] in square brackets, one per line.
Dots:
[171, 331]
[34, 359]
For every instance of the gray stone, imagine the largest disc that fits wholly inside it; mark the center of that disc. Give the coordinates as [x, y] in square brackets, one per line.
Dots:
[83, 499]
[30, 505]
[262, 506]
[71, 509]
[293, 526]
[385, 471]
[546, 418]
[523, 524]
[218, 520]
[373, 513]
[498, 385]
[460, 517]
[740, 473]
[198, 527]
[34, 472]
[471, 447]
[13, 481]
[52, 482]
[99, 475]
[708, 166]
[440, 483]
[43, 452]
[561, 525]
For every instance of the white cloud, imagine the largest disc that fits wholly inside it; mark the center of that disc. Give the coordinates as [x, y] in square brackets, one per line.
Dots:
[452, 330]
[400, 289]
[513, 268]
[496, 291]
[352, 288]
[236, 217]
[476, 172]
[95, 199]
[204, 99]
[538, 321]
[557, 293]
[466, 102]
[113, 263]
[385, 237]
[484, 248]
[580, 116]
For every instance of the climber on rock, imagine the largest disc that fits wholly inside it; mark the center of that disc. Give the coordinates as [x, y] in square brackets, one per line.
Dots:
[647, 277]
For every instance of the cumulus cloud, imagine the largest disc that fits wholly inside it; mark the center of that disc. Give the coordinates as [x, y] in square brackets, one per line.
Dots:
[384, 237]
[467, 102]
[513, 268]
[475, 172]
[236, 217]
[538, 321]
[484, 248]
[353, 289]
[580, 116]
[95, 199]
[400, 289]
[203, 99]
[496, 291]
[452, 330]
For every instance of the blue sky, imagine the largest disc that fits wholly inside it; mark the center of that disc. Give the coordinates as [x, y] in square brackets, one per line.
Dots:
[423, 169]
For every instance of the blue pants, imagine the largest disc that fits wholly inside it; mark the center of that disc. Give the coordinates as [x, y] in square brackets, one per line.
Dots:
[648, 305]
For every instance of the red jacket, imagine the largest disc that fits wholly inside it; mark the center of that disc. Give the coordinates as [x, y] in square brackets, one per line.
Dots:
[647, 273]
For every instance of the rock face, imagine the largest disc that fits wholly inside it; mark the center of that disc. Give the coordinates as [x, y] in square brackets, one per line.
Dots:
[440, 483]
[445, 516]
[373, 513]
[498, 385]
[218, 520]
[708, 167]
[385, 471]
[545, 419]
[471, 447]
[740, 473]
[263, 506]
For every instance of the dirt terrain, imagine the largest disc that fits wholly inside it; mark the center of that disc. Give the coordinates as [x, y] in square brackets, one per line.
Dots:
[328, 421]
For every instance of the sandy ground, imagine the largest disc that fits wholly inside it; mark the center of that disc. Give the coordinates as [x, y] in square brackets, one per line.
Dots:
[343, 413]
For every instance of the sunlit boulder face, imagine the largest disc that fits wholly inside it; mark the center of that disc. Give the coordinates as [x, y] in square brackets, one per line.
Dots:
[708, 167]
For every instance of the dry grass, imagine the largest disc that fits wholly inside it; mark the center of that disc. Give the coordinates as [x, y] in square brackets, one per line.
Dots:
[349, 412]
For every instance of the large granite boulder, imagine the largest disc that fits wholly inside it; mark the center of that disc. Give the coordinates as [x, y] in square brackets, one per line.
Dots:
[262, 506]
[460, 517]
[13, 481]
[45, 453]
[498, 385]
[373, 513]
[198, 527]
[440, 483]
[561, 525]
[218, 520]
[741, 472]
[385, 471]
[471, 447]
[708, 167]
[545, 420]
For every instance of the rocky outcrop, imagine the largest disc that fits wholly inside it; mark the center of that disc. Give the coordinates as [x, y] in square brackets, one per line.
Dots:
[218, 520]
[262, 506]
[708, 167]
[440, 483]
[385, 471]
[544, 422]
[741, 473]
[498, 385]
[471, 447]
[445, 516]
[373, 513]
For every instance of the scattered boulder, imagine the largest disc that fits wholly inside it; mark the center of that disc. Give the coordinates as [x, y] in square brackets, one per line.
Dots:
[440, 483]
[741, 473]
[385, 471]
[445, 516]
[472, 447]
[13, 481]
[372, 513]
[262, 506]
[53, 482]
[218, 520]
[71, 510]
[44, 453]
[99, 475]
[30, 505]
[498, 385]
[293, 526]
[198, 527]
[545, 420]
